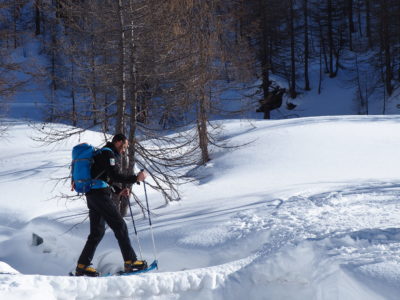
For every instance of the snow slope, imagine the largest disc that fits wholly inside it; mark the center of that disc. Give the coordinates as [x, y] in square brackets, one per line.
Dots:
[308, 210]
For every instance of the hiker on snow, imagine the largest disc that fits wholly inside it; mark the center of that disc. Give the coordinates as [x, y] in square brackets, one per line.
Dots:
[102, 210]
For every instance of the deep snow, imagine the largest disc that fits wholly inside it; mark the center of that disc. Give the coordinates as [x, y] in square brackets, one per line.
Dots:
[308, 210]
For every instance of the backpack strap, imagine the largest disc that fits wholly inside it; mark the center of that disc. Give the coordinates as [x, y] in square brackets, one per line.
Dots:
[97, 183]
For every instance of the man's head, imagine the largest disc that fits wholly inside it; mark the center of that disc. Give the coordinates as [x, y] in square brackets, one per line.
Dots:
[120, 142]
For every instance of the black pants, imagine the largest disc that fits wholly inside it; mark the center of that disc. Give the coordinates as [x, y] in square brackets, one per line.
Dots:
[102, 210]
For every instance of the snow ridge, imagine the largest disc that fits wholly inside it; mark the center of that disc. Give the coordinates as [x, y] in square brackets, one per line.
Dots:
[309, 210]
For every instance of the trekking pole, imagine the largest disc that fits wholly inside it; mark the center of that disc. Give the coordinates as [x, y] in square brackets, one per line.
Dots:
[136, 233]
[151, 227]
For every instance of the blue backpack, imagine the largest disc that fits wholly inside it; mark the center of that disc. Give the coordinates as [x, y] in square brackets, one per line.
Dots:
[82, 161]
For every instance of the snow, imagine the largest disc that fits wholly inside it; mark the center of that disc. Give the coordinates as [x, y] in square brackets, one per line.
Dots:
[306, 208]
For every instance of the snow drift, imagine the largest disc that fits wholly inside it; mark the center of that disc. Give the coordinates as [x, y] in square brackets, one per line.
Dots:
[308, 210]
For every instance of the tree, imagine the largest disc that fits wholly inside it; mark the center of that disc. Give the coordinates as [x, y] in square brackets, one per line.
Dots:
[306, 47]
[292, 34]
[12, 74]
[386, 41]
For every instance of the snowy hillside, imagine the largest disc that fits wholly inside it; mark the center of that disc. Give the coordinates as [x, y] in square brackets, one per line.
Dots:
[309, 209]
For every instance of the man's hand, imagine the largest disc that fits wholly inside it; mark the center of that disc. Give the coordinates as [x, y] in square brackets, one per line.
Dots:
[125, 192]
[141, 176]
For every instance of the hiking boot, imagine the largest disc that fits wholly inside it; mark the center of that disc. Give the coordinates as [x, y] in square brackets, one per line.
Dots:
[86, 270]
[135, 265]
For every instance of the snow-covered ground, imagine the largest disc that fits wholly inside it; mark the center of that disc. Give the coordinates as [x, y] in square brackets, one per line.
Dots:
[309, 209]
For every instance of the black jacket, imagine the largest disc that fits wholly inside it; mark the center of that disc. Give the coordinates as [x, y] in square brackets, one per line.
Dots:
[105, 167]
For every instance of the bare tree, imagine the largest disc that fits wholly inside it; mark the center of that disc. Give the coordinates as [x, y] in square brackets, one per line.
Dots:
[11, 70]
[306, 46]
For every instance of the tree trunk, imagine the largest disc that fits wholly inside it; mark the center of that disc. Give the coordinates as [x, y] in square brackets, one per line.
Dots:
[320, 71]
[93, 85]
[351, 23]
[38, 20]
[121, 104]
[73, 97]
[292, 53]
[322, 46]
[16, 13]
[53, 85]
[265, 53]
[386, 47]
[202, 129]
[330, 39]
[368, 22]
[306, 47]
[134, 96]
[106, 124]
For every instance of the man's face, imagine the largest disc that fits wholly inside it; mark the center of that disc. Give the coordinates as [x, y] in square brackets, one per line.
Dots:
[121, 146]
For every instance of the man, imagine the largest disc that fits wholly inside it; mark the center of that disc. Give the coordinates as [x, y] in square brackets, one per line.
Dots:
[102, 210]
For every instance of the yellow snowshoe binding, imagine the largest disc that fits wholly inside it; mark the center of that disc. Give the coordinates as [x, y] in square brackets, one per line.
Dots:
[86, 270]
[134, 265]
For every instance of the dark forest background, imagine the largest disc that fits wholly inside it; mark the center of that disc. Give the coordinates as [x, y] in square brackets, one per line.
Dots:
[149, 67]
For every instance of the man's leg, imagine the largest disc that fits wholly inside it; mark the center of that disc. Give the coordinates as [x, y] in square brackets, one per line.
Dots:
[97, 230]
[111, 215]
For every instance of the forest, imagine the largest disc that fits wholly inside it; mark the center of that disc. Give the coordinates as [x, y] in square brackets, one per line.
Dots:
[147, 68]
